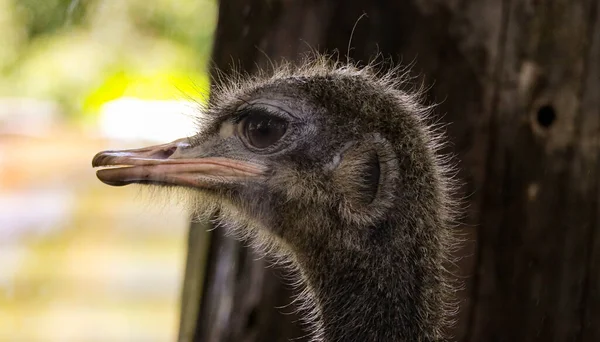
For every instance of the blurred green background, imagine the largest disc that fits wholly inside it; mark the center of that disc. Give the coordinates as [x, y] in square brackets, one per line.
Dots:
[81, 261]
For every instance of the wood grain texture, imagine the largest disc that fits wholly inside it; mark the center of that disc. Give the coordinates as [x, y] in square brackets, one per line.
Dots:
[539, 208]
[589, 144]
[197, 254]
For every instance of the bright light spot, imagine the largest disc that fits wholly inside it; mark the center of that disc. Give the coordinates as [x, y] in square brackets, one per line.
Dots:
[136, 119]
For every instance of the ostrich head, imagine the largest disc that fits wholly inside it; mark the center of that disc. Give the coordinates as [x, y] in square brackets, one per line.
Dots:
[334, 169]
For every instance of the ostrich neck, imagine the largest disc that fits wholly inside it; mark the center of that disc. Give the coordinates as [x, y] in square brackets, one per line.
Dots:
[388, 292]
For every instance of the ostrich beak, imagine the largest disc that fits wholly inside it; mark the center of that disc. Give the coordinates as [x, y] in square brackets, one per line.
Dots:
[171, 164]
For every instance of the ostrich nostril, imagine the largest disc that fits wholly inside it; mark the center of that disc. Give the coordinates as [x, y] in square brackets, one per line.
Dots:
[166, 153]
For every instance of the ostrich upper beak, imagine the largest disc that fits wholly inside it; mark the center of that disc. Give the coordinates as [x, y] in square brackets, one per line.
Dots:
[171, 164]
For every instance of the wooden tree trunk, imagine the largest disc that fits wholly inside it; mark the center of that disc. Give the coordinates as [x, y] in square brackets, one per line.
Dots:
[519, 81]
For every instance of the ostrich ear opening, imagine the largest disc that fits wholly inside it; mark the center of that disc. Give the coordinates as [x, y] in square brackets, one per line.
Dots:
[365, 179]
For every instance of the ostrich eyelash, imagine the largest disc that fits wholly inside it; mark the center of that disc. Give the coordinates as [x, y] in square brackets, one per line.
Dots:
[245, 112]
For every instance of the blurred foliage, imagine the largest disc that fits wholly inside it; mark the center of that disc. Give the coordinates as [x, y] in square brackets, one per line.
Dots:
[43, 17]
[82, 53]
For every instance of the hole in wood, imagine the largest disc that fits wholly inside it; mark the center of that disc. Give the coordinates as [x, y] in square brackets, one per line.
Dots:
[546, 116]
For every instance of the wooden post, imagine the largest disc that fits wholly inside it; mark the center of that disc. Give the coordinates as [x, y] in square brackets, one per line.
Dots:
[535, 266]
[519, 83]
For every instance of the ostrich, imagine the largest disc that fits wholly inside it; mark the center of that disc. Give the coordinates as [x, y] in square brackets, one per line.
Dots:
[335, 170]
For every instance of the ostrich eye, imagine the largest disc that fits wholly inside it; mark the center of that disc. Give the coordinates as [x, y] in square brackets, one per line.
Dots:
[262, 130]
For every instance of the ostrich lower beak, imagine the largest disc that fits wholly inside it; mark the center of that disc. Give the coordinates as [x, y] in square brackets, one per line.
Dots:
[170, 164]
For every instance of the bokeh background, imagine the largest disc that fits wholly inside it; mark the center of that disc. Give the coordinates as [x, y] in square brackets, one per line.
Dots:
[80, 261]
